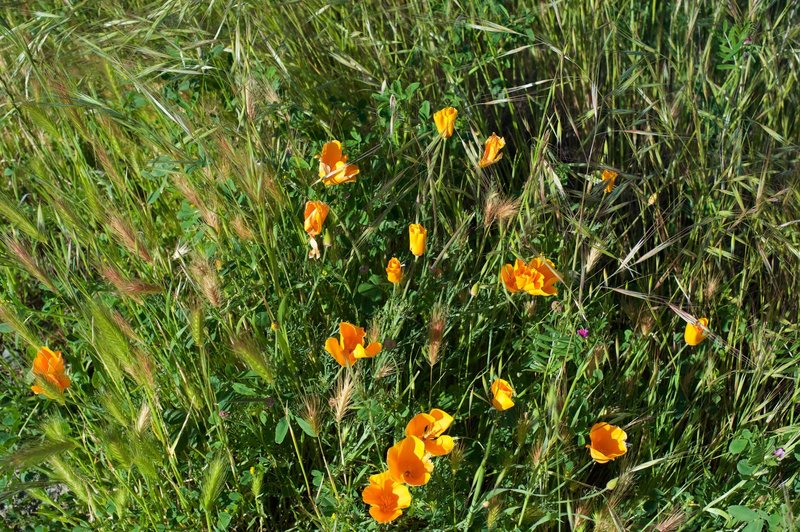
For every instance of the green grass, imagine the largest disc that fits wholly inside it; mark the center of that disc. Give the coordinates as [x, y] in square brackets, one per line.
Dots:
[156, 158]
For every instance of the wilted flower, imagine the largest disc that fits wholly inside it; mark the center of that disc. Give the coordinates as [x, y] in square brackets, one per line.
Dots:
[429, 428]
[333, 167]
[51, 378]
[608, 442]
[445, 121]
[394, 271]
[315, 214]
[350, 345]
[502, 392]
[417, 235]
[609, 177]
[386, 497]
[491, 153]
[696, 332]
[537, 277]
[408, 462]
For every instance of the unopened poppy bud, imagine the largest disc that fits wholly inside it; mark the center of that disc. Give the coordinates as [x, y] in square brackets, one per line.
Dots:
[475, 289]
[327, 239]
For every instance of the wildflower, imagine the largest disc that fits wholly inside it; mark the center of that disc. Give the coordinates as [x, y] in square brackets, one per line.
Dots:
[333, 167]
[429, 428]
[48, 368]
[537, 277]
[608, 442]
[350, 345]
[502, 392]
[386, 497]
[491, 154]
[696, 332]
[394, 271]
[583, 332]
[609, 177]
[315, 214]
[408, 462]
[445, 121]
[417, 235]
[779, 453]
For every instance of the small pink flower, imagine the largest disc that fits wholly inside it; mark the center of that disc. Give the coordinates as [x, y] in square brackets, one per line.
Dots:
[584, 332]
[779, 453]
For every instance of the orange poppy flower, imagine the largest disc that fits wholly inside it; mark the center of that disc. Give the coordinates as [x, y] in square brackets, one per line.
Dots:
[445, 121]
[609, 178]
[51, 378]
[408, 462]
[503, 393]
[537, 277]
[491, 153]
[315, 214]
[417, 236]
[608, 442]
[394, 271]
[429, 429]
[333, 167]
[696, 332]
[350, 345]
[386, 497]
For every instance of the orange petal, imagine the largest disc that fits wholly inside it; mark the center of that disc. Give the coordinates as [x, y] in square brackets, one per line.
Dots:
[333, 347]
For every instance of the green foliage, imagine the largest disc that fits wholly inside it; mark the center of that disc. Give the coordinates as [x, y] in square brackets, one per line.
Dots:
[156, 159]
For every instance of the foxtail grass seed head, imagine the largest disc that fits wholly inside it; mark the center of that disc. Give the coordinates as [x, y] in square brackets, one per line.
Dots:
[312, 413]
[342, 398]
[592, 257]
[436, 329]
[385, 369]
[241, 228]
[25, 258]
[456, 456]
[207, 280]
[213, 482]
[497, 209]
[126, 236]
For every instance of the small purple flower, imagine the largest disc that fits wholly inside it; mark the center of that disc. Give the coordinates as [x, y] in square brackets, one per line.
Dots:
[584, 332]
[224, 414]
[779, 453]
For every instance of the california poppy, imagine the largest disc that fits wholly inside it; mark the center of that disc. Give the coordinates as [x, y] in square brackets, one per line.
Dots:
[445, 121]
[502, 392]
[51, 378]
[315, 214]
[696, 332]
[417, 235]
[386, 497]
[350, 345]
[537, 277]
[394, 271]
[408, 462]
[491, 153]
[333, 167]
[608, 442]
[609, 177]
[429, 428]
